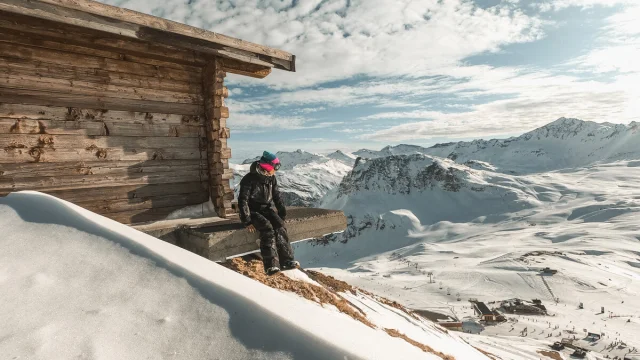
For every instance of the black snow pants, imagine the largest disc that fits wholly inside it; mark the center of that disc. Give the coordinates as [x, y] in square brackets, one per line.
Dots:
[274, 241]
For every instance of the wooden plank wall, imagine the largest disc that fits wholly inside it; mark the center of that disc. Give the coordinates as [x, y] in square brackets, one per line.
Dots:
[114, 125]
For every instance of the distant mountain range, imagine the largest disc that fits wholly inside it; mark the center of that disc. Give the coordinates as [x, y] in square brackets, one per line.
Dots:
[565, 143]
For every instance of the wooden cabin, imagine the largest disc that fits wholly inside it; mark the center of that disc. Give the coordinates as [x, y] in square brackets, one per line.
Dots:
[120, 112]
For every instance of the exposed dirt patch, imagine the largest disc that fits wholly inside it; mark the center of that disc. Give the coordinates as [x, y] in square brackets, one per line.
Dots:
[423, 347]
[487, 354]
[550, 354]
[330, 282]
[396, 305]
[254, 269]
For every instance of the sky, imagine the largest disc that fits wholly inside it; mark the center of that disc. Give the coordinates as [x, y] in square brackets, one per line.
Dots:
[371, 73]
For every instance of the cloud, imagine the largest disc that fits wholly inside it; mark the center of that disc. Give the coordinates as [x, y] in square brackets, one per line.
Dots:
[258, 122]
[550, 5]
[619, 48]
[536, 98]
[410, 57]
[338, 39]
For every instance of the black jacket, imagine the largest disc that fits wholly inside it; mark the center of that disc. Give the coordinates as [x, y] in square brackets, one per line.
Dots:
[258, 192]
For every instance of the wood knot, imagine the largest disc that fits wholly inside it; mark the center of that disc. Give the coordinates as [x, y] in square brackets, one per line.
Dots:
[15, 128]
[73, 114]
[45, 141]
[157, 155]
[42, 128]
[36, 153]
[101, 154]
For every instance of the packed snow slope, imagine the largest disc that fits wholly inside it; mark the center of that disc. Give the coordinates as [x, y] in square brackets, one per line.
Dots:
[304, 177]
[485, 232]
[74, 284]
[564, 143]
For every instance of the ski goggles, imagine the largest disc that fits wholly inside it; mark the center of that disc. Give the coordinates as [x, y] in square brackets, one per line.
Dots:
[275, 164]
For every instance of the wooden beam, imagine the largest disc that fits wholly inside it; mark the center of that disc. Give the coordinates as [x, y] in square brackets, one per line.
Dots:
[217, 133]
[82, 142]
[96, 128]
[132, 24]
[81, 87]
[47, 98]
[243, 68]
[63, 113]
[75, 73]
[51, 56]
[109, 192]
[19, 37]
[44, 29]
[18, 153]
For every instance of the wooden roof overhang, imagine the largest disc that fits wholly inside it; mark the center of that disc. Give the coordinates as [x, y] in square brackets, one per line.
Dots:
[238, 56]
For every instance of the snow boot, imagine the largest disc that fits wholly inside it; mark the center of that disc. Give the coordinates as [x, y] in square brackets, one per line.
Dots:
[272, 270]
[291, 264]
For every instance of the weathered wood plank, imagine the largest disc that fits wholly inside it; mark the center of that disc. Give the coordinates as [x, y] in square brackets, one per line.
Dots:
[110, 206]
[75, 73]
[135, 25]
[46, 98]
[26, 170]
[95, 128]
[81, 87]
[16, 154]
[124, 192]
[32, 53]
[80, 142]
[46, 182]
[143, 215]
[244, 68]
[41, 28]
[59, 113]
[18, 37]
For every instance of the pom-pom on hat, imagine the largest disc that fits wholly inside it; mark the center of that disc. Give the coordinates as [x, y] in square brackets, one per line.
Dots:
[268, 161]
[268, 157]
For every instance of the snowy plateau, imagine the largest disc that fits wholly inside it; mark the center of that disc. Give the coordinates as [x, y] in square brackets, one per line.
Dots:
[429, 229]
[484, 218]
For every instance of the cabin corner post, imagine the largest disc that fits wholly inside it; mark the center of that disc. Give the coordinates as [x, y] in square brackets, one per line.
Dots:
[218, 153]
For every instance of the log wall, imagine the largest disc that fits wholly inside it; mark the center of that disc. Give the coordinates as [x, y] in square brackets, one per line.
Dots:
[112, 124]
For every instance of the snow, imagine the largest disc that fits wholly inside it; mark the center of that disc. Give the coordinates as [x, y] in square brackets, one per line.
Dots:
[78, 285]
[486, 219]
[564, 143]
[584, 222]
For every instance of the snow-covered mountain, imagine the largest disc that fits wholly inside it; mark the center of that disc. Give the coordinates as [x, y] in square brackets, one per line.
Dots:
[304, 177]
[345, 158]
[291, 159]
[486, 235]
[484, 217]
[564, 143]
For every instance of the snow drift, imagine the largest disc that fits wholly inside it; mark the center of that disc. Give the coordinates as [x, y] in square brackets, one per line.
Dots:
[74, 284]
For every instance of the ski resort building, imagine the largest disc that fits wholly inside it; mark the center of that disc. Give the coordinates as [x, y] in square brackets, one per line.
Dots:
[484, 312]
[124, 114]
